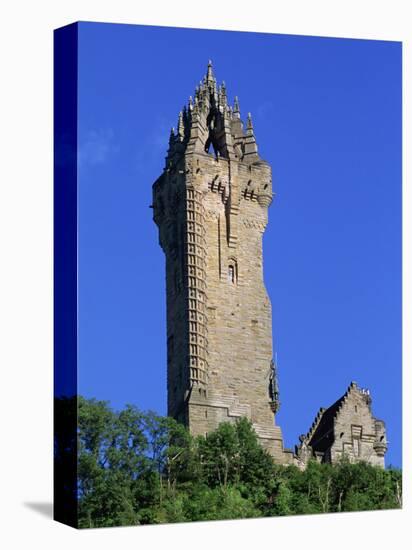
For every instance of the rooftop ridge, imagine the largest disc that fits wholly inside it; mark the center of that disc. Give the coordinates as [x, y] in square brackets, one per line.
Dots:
[315, 422]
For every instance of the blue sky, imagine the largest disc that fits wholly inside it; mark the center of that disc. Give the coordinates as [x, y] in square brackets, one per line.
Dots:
[327, 116]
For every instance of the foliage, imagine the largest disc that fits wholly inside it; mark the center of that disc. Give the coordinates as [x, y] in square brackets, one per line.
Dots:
[140, 468]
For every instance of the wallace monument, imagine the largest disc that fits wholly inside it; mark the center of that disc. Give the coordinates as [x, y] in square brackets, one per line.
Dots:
[211, 206]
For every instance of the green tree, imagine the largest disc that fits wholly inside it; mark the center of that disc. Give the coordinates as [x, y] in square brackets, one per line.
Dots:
[141, 468]
[219, 456]
[361, 486]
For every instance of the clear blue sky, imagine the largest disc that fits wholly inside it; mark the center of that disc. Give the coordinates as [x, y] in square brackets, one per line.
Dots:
[327, 116]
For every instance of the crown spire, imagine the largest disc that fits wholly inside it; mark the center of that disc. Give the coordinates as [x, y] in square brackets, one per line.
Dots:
[208, 123]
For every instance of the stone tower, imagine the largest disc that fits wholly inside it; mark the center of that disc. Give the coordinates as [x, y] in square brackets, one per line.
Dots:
[211, 206]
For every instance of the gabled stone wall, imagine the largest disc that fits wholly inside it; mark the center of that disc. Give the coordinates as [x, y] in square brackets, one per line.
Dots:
[345, 429]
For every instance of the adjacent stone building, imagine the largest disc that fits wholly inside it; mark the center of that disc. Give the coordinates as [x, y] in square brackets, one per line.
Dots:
[346, 428]
[211, 207]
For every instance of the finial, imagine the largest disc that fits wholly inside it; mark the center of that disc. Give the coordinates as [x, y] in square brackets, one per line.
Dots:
[222, 96]
[236, 108]
[209, 74]
[190, 103]
[251, 147]
[171, 139]
[180, 126]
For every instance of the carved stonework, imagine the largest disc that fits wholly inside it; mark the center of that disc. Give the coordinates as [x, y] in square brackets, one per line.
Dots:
[196, 285]
[254, 224]
[211, 215]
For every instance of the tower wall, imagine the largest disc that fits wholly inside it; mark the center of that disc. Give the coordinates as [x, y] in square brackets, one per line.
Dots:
[212, 210]
[238, 309]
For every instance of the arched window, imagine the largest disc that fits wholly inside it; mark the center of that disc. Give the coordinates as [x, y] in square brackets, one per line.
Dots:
[232, 271]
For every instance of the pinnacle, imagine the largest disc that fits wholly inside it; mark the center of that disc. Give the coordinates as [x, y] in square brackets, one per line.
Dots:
[209, 74]
[249, 121]
[180, 126]
[236, 108]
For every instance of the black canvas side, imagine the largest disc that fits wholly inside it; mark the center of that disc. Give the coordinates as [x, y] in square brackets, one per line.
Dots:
[65, 274]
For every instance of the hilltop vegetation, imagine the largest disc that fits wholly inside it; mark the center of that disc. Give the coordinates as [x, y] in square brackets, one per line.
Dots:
[140, 468]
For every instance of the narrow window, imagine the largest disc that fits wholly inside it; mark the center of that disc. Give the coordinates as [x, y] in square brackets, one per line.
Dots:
[232, 271]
